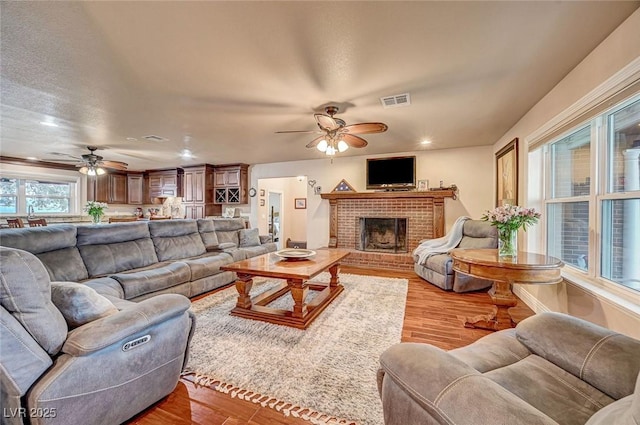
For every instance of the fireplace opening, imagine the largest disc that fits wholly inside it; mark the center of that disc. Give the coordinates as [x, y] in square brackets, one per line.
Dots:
[379, 234]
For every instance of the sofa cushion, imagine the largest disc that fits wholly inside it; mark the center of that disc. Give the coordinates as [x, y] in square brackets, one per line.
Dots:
[253, 251]
[154, 278]
[55, 246]
[25, 292]
[207, 265]
[228, 230]
[563, 397]
[106, 286]
[115, 248]
[176, 239]
[249, 237]
[208, 233]
[590, 352]
[80, 304]
[478, 234]
[625, 411]
[440, 263]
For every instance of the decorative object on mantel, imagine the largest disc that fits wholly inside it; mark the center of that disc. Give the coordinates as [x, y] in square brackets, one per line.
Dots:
[508, 219]
[343, 186]
[95, 210]
[453, 188]
[423, 185]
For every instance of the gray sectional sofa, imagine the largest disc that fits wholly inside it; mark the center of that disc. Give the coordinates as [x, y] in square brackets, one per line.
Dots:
[137, 260]
[94, 320]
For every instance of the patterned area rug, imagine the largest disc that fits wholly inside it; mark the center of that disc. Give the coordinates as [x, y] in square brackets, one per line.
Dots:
[325, 374]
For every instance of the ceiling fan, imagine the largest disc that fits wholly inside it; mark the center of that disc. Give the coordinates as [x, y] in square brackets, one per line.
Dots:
[336, 135]
[92, 164]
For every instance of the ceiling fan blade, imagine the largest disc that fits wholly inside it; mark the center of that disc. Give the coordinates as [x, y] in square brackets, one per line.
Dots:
[354, 141]
[297, 131]
[314, 142]
[327, 123]
[365, 128]
[117, 165]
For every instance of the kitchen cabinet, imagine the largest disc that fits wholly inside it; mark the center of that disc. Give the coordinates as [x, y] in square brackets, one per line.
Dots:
[135, 189]
[231, 184]
[165, 183]
[198, 188]
[110, 188]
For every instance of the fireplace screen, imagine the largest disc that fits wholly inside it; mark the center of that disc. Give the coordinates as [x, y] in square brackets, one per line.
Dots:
[382, 234]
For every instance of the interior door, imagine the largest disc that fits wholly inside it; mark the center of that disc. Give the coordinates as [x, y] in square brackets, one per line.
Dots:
[275, 217]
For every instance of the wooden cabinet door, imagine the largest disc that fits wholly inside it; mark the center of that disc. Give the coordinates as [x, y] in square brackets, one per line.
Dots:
[135, 189]
[232, 177]
[219, 178]
[118, 188]
[198, 186]
[189, 184]
[102, 188]
[194, 211]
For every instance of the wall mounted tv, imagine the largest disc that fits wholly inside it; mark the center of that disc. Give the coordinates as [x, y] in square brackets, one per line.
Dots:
[397, 173]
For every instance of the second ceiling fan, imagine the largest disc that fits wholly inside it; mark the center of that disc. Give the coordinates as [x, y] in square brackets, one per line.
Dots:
[336, 135]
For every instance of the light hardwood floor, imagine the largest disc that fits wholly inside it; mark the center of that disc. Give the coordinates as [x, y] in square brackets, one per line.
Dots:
[431, 316]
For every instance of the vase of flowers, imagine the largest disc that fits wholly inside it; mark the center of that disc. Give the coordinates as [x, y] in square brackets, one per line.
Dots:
[95, 210]
[508, 219]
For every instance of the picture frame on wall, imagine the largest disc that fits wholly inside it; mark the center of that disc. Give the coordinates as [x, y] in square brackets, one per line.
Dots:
[422, 186]
[507, 174]
[300, 203]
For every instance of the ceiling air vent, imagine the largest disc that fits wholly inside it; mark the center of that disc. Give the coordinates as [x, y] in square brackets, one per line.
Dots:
[153, 138]
[396, 100]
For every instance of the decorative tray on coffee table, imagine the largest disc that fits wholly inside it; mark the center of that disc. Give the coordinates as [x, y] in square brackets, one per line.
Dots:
[295, 254]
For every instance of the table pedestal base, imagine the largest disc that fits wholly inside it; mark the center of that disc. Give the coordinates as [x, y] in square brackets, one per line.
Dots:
[503, 298]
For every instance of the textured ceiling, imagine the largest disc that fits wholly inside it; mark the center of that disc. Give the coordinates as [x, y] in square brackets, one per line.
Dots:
[221, 78]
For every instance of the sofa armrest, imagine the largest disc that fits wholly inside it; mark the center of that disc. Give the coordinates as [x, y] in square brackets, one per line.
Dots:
[605, 359]
[420, 383]
[109, 330]
[265, 239]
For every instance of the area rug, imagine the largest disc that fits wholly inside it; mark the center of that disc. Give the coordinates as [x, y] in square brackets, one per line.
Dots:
[325, 374]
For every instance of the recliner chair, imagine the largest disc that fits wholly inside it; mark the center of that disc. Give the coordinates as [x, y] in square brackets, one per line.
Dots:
[552, 369]
[101, 372]
[438, 268]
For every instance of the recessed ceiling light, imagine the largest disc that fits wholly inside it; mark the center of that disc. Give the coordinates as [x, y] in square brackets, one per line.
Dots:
[49, 124]
[425, 142]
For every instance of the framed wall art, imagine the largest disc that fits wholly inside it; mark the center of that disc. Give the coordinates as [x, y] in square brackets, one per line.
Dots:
[507, 174]
[300, 203]
[423, 185]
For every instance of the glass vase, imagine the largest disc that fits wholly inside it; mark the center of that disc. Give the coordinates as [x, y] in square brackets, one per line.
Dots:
[96, 218]
[507, 243]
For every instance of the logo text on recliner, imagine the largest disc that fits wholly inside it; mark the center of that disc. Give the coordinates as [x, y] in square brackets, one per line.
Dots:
[136, 342]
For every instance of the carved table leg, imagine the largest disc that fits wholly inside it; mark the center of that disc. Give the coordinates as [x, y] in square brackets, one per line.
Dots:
[503, 298]
[243, 286]
[299, 294]
[334, 270]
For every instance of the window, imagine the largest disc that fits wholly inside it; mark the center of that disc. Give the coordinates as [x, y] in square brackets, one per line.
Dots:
[20, 195]
[592, 196]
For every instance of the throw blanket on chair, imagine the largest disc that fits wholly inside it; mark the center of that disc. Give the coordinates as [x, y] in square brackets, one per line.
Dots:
[440, 245]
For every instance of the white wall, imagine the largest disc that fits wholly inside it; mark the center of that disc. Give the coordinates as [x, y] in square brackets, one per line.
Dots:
[471, 169]
[293, 221]
[614, 53]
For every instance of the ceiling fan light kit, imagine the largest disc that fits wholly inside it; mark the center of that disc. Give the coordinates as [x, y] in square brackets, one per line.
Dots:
[337, 136]
[91, 170]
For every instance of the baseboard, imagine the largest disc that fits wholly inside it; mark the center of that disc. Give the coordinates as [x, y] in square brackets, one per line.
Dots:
[532, 302]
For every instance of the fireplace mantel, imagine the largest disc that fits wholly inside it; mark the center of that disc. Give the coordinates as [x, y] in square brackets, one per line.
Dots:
[389, 195]
[430, 202]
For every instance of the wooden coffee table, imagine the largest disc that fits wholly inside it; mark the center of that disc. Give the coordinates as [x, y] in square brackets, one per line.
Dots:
[296, 274]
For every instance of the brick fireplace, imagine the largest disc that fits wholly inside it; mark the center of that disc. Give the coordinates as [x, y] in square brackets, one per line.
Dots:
[422, 212]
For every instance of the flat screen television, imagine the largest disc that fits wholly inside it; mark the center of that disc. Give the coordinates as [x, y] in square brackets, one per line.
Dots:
[391, 173]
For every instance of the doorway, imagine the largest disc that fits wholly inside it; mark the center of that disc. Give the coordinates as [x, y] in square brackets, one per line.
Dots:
[275, 217]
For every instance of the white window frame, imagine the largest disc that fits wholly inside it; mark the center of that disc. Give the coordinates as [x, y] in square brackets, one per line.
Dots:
[590, 280]
[74, 192]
